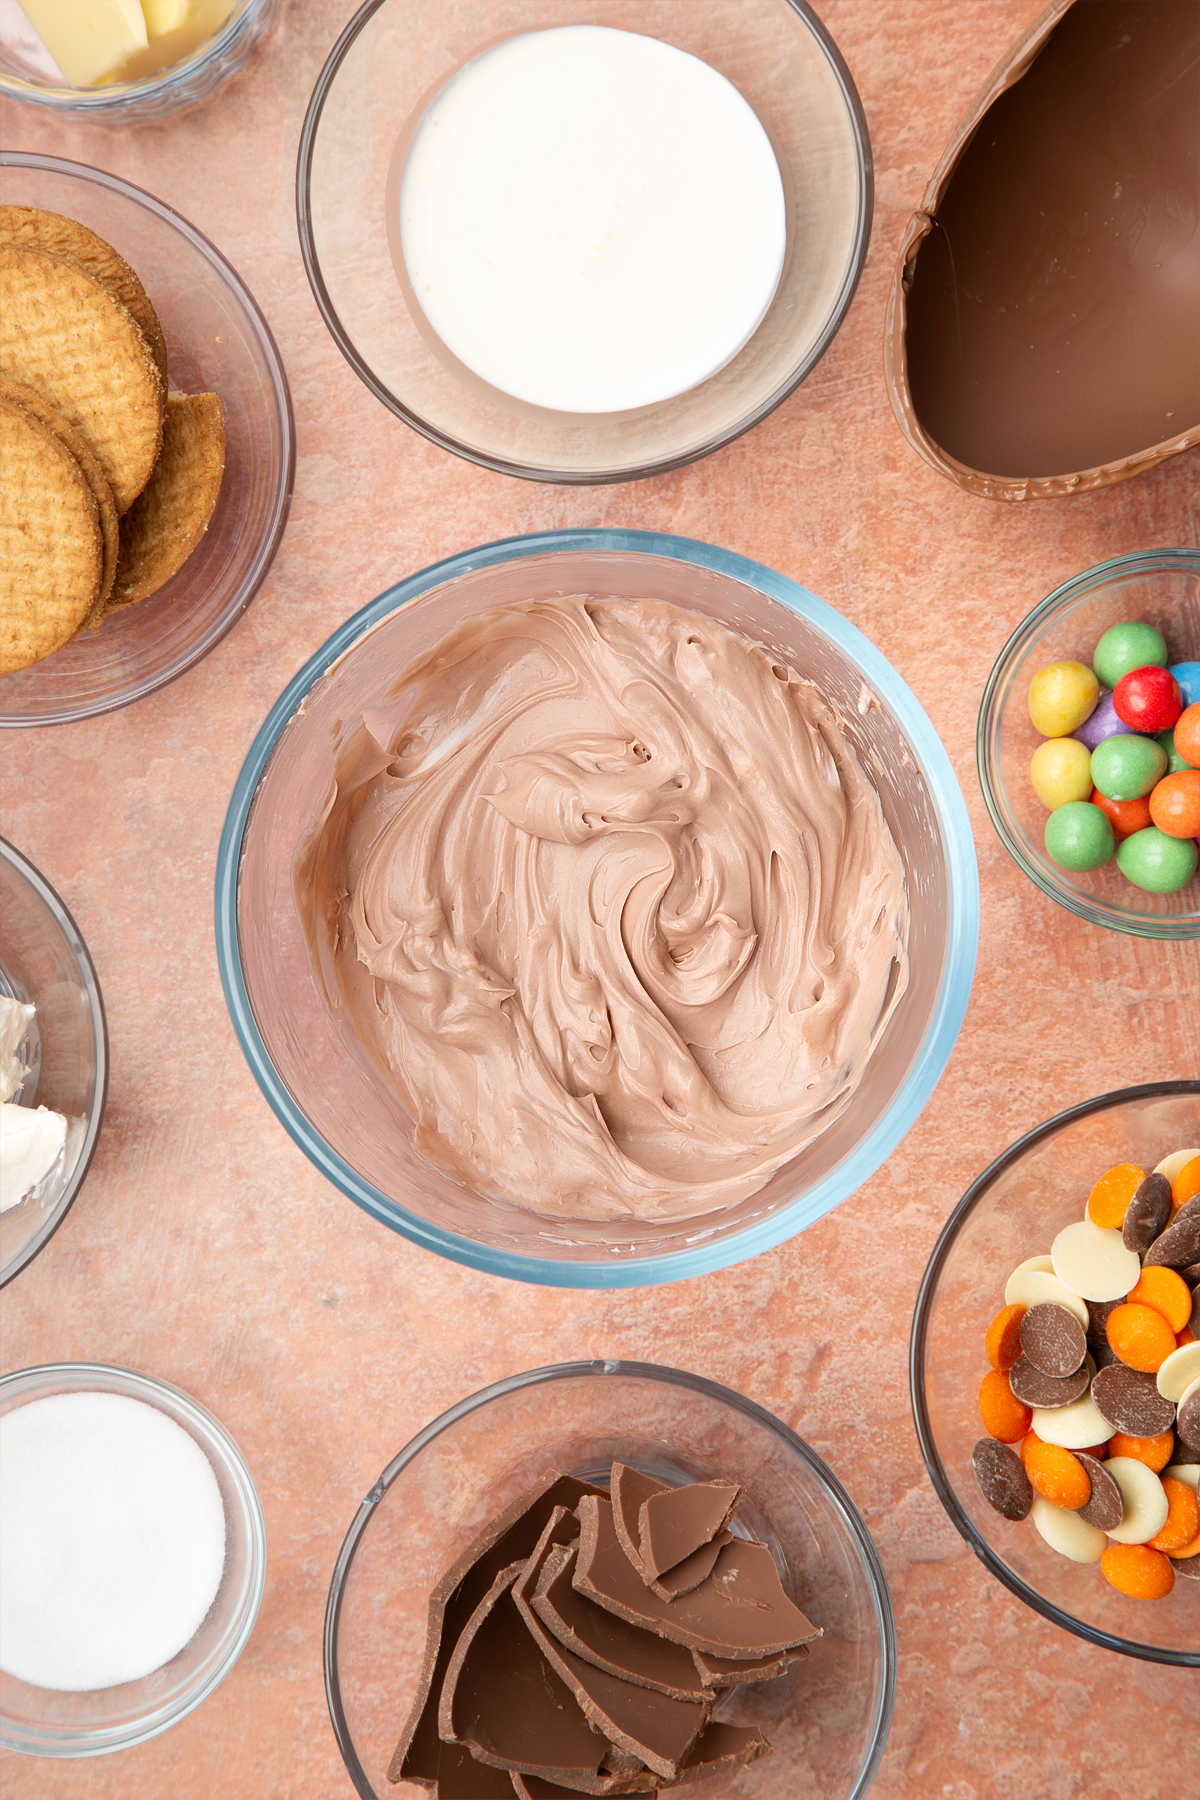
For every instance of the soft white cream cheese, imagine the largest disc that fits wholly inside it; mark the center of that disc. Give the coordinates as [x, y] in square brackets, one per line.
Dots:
[31, 1142]
[15, 1020]
[592, 220]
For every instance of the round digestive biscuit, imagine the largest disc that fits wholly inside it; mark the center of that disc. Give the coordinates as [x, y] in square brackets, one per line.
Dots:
[1131, 1402]
[63, 334]
[93, 474]
[1106, 1505]
[1147, 1214]
[1053, 1339]
[1033, 1388]
[72, 242]
[51, 546]
[1002, 1479]
[171, 514]
[1146, 1503]
[1067, 1532]
[1092, 1261]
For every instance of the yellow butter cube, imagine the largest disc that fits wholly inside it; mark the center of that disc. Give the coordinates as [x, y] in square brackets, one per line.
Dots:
[164, 15]
[88, 39]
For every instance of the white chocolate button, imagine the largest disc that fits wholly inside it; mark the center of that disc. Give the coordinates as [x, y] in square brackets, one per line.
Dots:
[1094, 1263]
[1179, 1372]
[1171, 1165]
[1067, 1533]
[1033, 1265]
[1146, 1504]
[1038, 1286]
[1188, 1391]
[1074, 1427]
[1188, 1473]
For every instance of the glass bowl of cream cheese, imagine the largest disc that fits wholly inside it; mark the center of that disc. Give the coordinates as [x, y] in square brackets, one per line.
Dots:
[53, 1061]
[686, 961]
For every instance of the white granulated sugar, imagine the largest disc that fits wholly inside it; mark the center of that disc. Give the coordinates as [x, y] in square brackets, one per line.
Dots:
[112, 1540]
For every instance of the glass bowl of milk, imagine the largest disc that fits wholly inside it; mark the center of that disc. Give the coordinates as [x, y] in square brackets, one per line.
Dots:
[591, 246]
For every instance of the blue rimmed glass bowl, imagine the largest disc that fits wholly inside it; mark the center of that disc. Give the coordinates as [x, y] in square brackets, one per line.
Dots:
[827, 1719]
[341, 1116]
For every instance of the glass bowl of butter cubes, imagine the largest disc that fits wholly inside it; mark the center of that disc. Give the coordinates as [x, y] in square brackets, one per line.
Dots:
[125, 59]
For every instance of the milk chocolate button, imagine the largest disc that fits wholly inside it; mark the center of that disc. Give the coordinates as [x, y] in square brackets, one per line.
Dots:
[1187, 1425]
[1093, 1262]
[1147, 1214]
[1186, 1566]
[1131, 1402]
[1053, 1340]
[1179, 1244]
[1099, 1348]
[1106, 1505]
[1002, 1479]
[1032, 1388]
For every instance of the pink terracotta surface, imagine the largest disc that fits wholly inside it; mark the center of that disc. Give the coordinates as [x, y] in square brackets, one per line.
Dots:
[206, 1250]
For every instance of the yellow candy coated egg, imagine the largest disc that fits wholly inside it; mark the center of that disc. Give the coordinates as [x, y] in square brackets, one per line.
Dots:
[1061, 697]
[1061, 770]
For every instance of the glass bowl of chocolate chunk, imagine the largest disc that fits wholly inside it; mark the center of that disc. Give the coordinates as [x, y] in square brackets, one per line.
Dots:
[609, 1578]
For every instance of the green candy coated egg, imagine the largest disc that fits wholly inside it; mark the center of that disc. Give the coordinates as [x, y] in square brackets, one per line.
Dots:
[1155, 862]
[1175, 762]
[1126, 767]
[1128, 646]
[1078, 836]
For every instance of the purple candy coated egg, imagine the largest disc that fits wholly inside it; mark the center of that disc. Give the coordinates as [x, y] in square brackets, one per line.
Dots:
[1102, 722]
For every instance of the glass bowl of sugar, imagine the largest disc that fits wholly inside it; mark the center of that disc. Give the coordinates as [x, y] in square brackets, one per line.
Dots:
[134, 1556]
[593, 244]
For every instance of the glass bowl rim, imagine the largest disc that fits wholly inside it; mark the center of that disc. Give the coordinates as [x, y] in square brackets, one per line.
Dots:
[84, 101]
[602, 1367]
[264, 339]
[907, 1103]
[864, 202]
[219, 1443]
[82, 958]
[1132, 562]
[942, 1485]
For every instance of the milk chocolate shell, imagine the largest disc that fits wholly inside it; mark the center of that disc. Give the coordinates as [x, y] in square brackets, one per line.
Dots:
[1043, 328]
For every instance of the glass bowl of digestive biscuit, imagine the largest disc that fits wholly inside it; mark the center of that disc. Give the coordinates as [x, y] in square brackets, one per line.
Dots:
[674, 993]
[178, 464]
[675, 284]
[1023, 1231]
[474, 1493]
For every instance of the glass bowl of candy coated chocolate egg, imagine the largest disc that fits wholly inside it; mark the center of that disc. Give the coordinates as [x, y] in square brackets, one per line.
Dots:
[1097, 837]
[1032, 1230]
[825, 1716]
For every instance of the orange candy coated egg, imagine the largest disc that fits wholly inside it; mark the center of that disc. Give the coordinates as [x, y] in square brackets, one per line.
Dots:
[1057, 1475]
[1183, 1517]
[1187, 734]
[1186, 1184]
[1125, 816]
[1175, 804]
[1109, 1199]
[1167, 1293]
[1140, 1337]
[1138, 1571]
[1188, 1551]
[1003, 1415]
[1003, 1340]
[1155, 1452]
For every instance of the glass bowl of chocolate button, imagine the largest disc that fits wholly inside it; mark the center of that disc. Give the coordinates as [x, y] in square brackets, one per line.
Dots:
[609, 1578]
[682, 942]
[590, 318]
[132, 1558]
[1095, 794]
[1055, 1370]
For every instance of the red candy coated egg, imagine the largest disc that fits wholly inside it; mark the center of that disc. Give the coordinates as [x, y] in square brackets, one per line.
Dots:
[1148, 699]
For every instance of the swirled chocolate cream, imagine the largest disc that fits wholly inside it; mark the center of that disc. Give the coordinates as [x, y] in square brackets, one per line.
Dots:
[615, 912]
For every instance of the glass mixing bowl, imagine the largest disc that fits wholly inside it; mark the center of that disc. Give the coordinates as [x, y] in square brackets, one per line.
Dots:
[383, 70]
[827, 1719]
[1014, 1211]
[44, 1722]
[1161, 587]
[218, 342]
[343, 1118]
[44, 962]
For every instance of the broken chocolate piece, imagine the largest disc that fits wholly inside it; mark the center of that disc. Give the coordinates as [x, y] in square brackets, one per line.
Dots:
[611, 1643]
[720, 1749]
[674, 1524]
[1179, 1244]
[692, 1570]
[420, 1756]
[1131, 1402]
[1106, 1505]
[1147, 1214]
[630, 1490]
[1032, 1388]
[1053, 1340]
[739, 1610]
[536, 1787]
[1002, 1479]
[724, 1671]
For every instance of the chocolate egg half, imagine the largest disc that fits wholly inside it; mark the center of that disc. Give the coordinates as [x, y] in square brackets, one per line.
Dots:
[1043, 328]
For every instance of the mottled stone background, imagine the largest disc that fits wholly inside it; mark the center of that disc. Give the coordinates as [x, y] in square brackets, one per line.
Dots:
[205, 1249]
